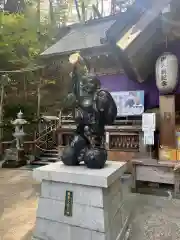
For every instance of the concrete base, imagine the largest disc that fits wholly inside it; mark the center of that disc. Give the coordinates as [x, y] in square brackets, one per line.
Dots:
[14, 158]
[13, 164]
[98, 209]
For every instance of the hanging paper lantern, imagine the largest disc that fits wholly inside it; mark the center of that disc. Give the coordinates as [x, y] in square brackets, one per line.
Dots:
[166, 73]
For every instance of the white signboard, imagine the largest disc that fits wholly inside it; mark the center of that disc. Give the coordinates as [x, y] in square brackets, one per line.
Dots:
[129, 103]
[107, 137]
[149, 138]
[149, 122]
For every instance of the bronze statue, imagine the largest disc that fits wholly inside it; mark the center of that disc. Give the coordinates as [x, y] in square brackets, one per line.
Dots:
[93, 109]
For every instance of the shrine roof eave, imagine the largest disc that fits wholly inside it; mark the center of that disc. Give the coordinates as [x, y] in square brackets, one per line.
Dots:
[79, 38]
[89, 35]
[137, 42]
[85, 52]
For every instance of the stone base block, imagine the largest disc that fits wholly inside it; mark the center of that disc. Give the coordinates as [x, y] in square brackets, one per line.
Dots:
[13, 164]
[96, 206]
[14, 158]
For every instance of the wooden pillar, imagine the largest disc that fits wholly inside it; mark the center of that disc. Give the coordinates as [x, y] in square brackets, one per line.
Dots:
[167, 121]
[60, 139]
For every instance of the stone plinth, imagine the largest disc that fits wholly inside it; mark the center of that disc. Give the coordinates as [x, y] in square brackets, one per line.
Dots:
[14, 158]
[97, 203]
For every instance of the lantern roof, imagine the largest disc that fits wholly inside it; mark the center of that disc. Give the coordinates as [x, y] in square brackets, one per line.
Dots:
[19, 122]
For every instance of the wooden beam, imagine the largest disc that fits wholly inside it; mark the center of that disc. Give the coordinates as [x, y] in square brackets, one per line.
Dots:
[167, 121]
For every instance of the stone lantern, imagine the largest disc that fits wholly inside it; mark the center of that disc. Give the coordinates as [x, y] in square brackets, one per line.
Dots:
[19, 134]
[15, 157]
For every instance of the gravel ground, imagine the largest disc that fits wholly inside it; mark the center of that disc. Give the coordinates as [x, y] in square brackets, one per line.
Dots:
[156, 218]
[18, 202]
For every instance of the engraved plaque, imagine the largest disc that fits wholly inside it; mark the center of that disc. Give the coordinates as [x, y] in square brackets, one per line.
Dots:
[68, 204]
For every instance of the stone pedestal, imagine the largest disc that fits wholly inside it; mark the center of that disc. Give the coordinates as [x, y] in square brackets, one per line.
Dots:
[95, 210]
[14, 158]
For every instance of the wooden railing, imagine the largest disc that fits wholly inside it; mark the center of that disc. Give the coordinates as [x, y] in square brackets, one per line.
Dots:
[46, 140]
[43, 141]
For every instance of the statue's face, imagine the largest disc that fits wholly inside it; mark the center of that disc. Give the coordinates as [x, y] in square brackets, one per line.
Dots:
[90, 84]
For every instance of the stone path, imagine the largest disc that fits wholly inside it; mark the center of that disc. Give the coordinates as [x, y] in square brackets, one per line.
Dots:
[156, 218]
[18, 203]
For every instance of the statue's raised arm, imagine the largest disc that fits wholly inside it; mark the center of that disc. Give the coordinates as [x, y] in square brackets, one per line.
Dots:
[80, 69]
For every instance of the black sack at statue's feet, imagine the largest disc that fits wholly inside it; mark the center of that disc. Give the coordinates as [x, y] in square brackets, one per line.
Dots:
[69, 156]
[72, 154]
[95, 158]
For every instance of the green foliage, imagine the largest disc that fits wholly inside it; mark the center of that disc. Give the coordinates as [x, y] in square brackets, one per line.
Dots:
[11, 110]
[22, 38]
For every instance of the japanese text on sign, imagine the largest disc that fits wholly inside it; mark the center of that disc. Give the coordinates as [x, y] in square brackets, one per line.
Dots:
[163, 71]
[68, 204]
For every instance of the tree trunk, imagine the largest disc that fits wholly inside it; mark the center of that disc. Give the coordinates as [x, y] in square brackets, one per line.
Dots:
[83, 14]
[39, 12]
[38, 100]
[77, 10]
[25, 87]
[1, 111]
[102, 8]
[113, 7]
[51, 14]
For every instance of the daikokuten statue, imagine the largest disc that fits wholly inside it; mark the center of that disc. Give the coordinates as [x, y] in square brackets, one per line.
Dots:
[93, 109]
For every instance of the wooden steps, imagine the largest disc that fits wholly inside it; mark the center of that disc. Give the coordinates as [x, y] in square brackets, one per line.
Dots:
[47, 157]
